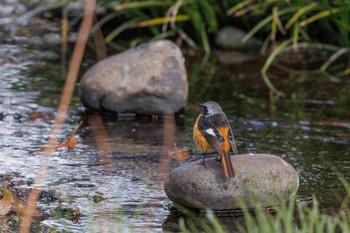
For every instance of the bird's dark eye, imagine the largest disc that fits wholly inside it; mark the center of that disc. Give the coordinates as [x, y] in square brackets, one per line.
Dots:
[204, 109]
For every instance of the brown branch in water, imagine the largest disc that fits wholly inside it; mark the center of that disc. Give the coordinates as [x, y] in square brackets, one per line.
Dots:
[101, 136]
[169, 136]
[64, 41]
[102, 140]
[169, 131]
[72, 76]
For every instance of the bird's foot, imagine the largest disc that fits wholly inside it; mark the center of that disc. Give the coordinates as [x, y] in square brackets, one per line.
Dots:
[203, 163]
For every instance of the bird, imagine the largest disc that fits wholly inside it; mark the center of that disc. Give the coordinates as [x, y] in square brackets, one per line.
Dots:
[212, 132]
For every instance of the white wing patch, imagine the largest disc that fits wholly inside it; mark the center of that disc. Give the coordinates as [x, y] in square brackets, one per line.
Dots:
[215, 133]
[210, 131]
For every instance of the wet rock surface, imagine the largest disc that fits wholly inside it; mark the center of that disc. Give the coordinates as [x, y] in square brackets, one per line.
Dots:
[149, 79]
[260, 178]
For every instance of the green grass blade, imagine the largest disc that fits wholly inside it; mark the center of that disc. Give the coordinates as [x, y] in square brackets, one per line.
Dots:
[141, 4]
[277, 19]
[265, 45]
[238, 7]
[161, 20]
[104, 20]
[334, 57]
[270, 85]
[254, 9]
[265, 22]
[301, 12]
[215, 222]
[182, 226]
[304, 34]
[343, 25]
[268, 63]
[198, 23]
[163, 35]
[273, 30]
[321, 15]
[274, 54]
[186, 38]
[295, 36]
[120, 29]
[205, 40]
[259, 26]
[209, 14]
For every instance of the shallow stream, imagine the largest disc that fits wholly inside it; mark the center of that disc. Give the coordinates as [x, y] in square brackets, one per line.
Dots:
[114, 175]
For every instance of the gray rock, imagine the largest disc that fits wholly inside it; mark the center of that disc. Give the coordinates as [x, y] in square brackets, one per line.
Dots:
[232, 50]
[231, 38]
[261, 178]
[149, 79]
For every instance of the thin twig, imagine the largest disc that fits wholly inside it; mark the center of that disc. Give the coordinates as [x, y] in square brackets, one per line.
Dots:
[61, 111]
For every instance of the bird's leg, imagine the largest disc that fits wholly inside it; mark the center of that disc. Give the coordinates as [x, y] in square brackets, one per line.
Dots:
[203, 161]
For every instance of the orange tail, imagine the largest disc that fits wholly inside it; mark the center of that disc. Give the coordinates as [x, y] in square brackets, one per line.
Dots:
[227, 164]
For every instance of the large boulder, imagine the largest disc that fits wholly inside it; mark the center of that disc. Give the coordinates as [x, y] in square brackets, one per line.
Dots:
[150, 79]
[261, 178]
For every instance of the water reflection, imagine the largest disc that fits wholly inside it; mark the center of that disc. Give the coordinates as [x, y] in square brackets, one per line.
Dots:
[128, 177]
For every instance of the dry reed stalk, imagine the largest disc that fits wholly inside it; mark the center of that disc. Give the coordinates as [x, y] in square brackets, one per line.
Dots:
[101, 48]
[61, 111]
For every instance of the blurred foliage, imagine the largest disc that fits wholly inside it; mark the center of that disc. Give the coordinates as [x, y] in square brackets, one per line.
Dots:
[197, 21]
[303, 20]
[282, 25]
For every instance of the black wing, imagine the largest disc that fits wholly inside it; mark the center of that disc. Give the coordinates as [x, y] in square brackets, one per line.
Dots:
[207, 126]
[232, 141]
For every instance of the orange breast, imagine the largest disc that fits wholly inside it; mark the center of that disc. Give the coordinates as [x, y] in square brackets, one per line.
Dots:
[199, 139]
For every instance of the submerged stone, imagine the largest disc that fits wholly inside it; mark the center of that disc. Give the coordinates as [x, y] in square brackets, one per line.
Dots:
[261, 178]
[150, 79]
[233, 50]
[231, 38]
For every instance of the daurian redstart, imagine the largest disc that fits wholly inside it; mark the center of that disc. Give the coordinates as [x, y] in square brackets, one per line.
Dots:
[212, 131]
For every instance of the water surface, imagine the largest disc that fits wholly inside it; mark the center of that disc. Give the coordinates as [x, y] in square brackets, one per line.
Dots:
[115, 173]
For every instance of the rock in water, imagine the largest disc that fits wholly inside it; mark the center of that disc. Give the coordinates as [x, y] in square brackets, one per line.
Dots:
[232, 50]
[231, 38]
[150, 79]
[261, 178]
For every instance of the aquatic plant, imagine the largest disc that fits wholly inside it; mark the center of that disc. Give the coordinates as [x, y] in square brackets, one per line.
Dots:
[291, 216]
[282, 25]
[298, 24]
[197, 21]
